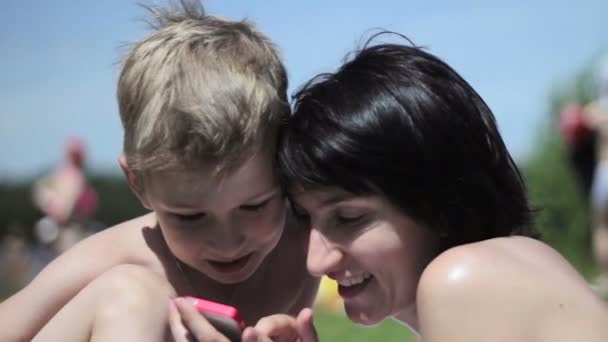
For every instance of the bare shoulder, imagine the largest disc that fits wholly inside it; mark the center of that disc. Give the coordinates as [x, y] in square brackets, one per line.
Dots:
[130, 240]
[500, 256]
[121, 243]
[515, 287]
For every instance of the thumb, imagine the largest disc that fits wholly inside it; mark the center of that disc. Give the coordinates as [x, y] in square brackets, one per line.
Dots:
[306, 327]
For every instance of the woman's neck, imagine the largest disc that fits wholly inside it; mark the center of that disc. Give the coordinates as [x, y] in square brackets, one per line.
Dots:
[409, 318]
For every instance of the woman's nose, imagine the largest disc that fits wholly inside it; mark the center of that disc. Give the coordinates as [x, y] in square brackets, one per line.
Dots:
[323, 256]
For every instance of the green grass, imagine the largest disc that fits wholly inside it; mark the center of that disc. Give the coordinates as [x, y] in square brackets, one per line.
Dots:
[337, 327]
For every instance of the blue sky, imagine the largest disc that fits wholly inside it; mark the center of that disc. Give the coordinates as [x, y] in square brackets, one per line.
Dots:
[58, 71]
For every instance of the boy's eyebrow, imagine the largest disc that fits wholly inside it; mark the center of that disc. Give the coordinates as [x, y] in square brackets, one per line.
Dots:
[268, 194]
[177, 208]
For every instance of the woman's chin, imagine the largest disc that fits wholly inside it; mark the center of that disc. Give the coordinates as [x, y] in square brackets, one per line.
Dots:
[362, 317]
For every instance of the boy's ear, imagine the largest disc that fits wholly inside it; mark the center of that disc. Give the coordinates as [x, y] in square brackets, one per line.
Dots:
[133, 183]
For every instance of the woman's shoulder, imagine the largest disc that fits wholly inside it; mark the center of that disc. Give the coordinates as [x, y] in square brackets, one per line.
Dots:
[504, 254]
[506, 285]
[506, 262]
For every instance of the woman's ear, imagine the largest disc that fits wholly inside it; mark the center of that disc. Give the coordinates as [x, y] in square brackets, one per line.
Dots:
[134, 183]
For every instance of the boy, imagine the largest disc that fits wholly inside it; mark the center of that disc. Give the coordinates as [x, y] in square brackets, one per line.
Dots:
[201, 101]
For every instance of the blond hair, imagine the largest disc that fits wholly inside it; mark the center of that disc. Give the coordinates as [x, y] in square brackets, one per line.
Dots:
[199, 89]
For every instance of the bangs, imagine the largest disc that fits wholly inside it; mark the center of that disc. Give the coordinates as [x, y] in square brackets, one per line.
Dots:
[318, 163]
[320, 148]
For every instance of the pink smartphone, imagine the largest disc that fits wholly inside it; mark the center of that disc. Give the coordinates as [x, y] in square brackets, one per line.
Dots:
[226, 319]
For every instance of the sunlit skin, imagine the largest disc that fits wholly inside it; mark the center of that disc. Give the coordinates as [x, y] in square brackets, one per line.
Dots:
[390, 266]
[232, 235]
[205, 219]
[356, 235]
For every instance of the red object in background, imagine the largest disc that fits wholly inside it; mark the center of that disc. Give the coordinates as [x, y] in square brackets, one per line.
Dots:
[86, 204]
[75, 149]
[573, 126]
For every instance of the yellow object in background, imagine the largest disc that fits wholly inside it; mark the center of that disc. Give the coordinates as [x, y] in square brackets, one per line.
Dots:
[328, 297]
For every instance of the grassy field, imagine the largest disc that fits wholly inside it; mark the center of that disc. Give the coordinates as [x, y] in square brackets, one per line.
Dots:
[337, 327]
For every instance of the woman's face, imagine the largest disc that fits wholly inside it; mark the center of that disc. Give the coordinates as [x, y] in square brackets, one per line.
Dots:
[371, 248]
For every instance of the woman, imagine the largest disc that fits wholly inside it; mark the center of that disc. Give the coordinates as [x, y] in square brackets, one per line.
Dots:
[418, 211]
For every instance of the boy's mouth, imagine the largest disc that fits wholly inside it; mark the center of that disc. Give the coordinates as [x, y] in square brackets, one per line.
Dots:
[230, 266]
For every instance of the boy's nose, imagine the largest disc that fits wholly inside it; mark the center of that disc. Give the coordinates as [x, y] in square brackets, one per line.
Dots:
[323, 256]
[225, 239]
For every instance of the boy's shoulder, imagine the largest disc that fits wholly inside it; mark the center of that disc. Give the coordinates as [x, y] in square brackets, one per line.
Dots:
[513, 285]
[124, 243]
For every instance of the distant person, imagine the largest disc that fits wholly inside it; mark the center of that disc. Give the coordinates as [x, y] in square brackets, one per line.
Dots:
[67, 200]
[580, 142]
[596, 116]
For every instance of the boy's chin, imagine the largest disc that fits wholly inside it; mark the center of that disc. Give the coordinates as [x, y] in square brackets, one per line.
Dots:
[234, 275]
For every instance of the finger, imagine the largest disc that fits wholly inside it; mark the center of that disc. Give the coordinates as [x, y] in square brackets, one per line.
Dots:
[196, 323]
[280, 328]
[269, 324]
[252, 335]
[178, 331]
[306, 327]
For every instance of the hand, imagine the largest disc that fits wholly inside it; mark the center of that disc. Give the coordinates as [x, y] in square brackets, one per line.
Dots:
[188, 325]
[283, 328]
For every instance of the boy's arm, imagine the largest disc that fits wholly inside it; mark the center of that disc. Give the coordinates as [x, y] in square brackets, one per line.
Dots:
[27, 311]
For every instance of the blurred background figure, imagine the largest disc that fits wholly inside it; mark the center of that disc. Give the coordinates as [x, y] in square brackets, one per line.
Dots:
[597, 116]
[584, 130]
[68, 202]
[579, 138]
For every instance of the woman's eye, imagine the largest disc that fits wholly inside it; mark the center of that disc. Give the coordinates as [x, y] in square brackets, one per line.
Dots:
[189, 217]
[255, 207]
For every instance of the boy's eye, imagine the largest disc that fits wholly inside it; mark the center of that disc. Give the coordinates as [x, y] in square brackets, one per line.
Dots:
[189, 217]
[255, 207]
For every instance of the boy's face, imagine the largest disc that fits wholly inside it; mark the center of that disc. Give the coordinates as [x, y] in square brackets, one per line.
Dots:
[223, 227]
